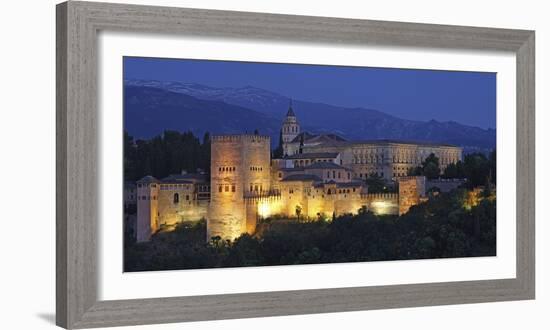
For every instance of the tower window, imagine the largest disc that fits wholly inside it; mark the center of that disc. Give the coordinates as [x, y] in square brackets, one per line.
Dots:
[233, 188]
[176, 198]
[220, 189]
[226, 188]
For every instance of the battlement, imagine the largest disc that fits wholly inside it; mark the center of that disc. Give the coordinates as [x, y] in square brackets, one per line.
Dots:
[381, 196]
[229, 138]
[253, 197]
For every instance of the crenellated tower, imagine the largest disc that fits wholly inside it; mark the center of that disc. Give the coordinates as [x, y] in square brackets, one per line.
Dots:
[240, 168]
[290, 129]
[147, 208]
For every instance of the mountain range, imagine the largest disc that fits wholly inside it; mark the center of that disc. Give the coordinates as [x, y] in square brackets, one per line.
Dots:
[151, 106]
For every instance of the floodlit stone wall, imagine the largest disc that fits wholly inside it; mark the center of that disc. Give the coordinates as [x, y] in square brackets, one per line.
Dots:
[412, 191]
[240, 166]
[178, 202]
[147, 210]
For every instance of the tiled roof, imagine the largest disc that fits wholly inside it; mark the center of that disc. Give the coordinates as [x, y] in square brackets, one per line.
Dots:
[324, 165]
[148, 179]
[184, 178]
[302, 177]
[312, 155]
[317, 138]
[354, 183]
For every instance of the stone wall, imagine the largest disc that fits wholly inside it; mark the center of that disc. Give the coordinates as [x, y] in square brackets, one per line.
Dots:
[444, 185]
[240, 165]
[412, 191]
[178, 202]
[383, 203]
[147, 210]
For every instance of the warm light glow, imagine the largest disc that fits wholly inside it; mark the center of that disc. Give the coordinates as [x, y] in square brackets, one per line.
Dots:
[381, 207]
[264, 209]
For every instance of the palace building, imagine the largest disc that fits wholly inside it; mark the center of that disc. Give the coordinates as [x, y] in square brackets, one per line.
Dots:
[319, 176]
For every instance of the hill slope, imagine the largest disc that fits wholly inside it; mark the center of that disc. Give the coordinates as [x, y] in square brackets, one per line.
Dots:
[351, 123]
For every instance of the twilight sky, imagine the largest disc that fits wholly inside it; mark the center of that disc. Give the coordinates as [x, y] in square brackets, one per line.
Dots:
[465, 97]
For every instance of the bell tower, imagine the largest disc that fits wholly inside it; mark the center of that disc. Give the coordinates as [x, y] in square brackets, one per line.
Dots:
[290, 129]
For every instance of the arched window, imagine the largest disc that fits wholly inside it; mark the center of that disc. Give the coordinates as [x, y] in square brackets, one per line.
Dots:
[176, 198]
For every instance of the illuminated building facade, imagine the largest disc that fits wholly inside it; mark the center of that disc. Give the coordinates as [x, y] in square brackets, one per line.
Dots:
[320, 176]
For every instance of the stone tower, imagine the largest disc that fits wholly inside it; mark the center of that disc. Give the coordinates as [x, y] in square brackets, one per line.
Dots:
[412, 191]
[240, 168]
[290, 128]
[147, 208]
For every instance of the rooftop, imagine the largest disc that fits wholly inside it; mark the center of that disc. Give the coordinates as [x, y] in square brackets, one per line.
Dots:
[313, 155]
[290, 112]
[393, 141]
[317, 138]
[354, 183]
[302, 177]
[184, 178]
[148, 179]
[325, 165]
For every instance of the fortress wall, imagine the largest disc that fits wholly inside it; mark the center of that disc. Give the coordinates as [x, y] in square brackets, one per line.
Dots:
[411, 192]
[349, 203]
[383, 204]
[168, 210]
[147, 211]
[261, 207]
[238, 162]
[256, 162]
[444, 185]
[187, 209]
[293, 195]
[226, 214]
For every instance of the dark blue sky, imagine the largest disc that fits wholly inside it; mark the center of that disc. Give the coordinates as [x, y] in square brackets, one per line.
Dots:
[466, 97]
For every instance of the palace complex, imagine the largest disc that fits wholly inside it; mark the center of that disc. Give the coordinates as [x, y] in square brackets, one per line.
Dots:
[319, 176]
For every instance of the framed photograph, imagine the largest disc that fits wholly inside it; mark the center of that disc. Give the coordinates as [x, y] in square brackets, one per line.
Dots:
[216, 165]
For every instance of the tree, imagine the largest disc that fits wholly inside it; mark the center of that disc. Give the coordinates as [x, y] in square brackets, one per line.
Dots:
[430, 168]
[129, 157]
[455, 171]
[205, 154]
[165, 154]
[278, 152]
[298, 211]
[477, 168]
[376, 184]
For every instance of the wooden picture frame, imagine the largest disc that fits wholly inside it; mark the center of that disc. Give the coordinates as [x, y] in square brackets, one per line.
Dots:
[78, 24]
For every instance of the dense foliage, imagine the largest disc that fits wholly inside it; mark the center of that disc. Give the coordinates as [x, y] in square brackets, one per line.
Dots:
[477, 168]
[166, 154]
[377, 184]
[449, 225]
[429, 168]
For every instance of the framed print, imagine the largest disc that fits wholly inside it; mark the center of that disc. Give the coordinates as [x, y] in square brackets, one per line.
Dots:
[216, 165]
